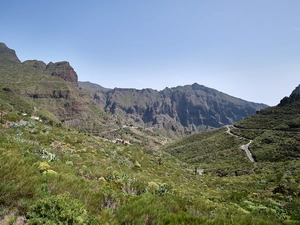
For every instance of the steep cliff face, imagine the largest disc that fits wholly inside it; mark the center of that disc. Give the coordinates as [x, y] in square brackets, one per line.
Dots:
[62, 70]
[182, 109]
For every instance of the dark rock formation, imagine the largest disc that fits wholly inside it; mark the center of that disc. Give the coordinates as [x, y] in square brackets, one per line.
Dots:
[62, 70]
[183, 109]
[294, 96]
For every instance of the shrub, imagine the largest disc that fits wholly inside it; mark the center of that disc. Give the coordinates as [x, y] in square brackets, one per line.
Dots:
[61, 209]
[11, 220]
[43, 166]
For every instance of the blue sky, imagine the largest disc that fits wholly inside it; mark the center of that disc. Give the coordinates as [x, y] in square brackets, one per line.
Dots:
[248, 49]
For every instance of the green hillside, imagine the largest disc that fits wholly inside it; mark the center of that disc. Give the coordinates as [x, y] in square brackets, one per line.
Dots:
[63, 160]
[52, 174]
[274, 134]
[275, 130]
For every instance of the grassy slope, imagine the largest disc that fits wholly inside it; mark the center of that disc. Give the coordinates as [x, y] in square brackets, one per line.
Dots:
[275, 132]
[275, 147]
[213, 151]
[127, 184]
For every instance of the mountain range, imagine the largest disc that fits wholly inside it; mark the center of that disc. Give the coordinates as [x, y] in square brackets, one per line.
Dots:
[182, 109]
[176, 111]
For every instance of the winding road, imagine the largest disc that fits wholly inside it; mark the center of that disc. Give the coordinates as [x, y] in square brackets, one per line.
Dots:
[244, 147]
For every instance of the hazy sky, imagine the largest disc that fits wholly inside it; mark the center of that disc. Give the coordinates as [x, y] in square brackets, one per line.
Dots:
[246, 48]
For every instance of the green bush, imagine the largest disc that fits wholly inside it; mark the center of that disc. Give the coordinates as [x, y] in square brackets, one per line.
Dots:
[60, 209]
[43, 166]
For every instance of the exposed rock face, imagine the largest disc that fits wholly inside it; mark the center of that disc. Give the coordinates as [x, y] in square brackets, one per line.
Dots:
[59, 69]
[8, 54]
[62, 70]
[296, 93]
[183, 109]
[294, 96]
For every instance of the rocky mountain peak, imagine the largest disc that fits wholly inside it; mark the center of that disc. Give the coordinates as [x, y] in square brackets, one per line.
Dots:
[9, 54]
[296, 91]
[63, 70]
[294, 96]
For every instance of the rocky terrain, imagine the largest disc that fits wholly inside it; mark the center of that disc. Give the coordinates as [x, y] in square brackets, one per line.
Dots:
[182, 109]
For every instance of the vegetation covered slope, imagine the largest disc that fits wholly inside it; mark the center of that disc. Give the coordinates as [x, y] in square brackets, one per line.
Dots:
[275, 145]
[54, 175]
[48, 91]
[275, 130]
[96, 181]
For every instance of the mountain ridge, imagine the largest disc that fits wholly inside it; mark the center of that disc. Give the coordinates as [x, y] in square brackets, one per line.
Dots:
[184, 109]
[176, 111]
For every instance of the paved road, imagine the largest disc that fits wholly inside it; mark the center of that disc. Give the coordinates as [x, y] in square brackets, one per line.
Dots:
[244, 147]
[229, 131]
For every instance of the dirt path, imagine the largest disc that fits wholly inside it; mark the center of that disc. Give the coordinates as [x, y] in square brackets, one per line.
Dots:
[244, 147]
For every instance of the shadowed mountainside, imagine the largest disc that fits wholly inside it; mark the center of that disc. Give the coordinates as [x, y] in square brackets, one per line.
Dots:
[183, 109]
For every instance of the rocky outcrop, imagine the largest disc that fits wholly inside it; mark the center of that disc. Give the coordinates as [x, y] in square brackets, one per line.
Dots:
[294, 96]
[182, 109]
[8, 55]
[62, 70]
